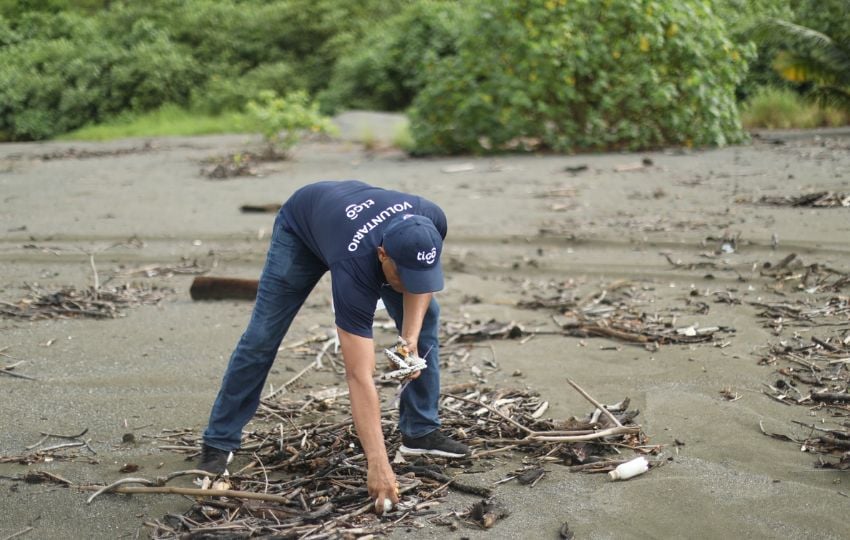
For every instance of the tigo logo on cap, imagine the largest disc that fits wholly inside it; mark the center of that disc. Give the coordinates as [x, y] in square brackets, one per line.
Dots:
[414, 244]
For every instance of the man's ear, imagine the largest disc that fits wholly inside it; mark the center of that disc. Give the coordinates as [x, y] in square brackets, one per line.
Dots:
[382, 254]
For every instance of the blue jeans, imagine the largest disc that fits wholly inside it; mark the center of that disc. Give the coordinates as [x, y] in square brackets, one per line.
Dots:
[291, 271]
[417, 409]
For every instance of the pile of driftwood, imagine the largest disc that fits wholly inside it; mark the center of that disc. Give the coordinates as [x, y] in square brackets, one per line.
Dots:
[834, 443]
[612, 313]
[820, 199]
[813, 372]
[91, 302]
[803, 312]
[47, 449]
[791, 274]
[305, 473]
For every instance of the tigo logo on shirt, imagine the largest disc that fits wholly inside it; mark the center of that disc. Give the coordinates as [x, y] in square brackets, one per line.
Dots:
[353, 210]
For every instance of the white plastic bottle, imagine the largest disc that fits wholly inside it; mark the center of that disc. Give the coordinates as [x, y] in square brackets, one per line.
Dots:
[626, 470]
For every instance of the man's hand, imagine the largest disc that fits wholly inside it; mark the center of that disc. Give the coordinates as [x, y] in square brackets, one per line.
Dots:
[406, 364]
[381, 484]
[410, 349]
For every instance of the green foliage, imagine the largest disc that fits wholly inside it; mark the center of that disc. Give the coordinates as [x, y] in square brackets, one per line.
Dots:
[60, 70]
[817, 54]
[308, 34]
[282, 120]
[740, 17]
[12, 8]
[826, 16]
[782, 108]
[583, 74]
[8, 35]
[232, 93]
[386, 69]
[71, 76]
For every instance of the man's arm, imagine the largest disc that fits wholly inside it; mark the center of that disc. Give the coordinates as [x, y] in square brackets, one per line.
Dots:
[359, 356]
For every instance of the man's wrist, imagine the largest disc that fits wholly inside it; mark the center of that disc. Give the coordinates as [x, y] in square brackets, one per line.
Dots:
[378, 461]
[410, 343]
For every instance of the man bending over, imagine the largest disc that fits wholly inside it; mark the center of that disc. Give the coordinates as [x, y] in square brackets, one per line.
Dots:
[377, 244]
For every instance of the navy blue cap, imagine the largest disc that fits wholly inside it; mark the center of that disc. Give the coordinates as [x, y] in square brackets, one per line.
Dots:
[414, 245]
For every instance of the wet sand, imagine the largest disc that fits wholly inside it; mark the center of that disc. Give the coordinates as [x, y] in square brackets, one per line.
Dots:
[514, 222]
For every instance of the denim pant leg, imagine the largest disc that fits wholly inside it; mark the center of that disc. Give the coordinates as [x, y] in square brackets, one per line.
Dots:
[290, 273]
[418, 414]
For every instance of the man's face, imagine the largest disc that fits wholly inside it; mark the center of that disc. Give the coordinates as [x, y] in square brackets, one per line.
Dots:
[390, 271]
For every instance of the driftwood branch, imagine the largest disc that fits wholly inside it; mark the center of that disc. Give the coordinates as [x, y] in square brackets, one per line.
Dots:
[598, 405]
[118, 487]
[492, 410]
[19, 533]
[7, 370]
[601, 434]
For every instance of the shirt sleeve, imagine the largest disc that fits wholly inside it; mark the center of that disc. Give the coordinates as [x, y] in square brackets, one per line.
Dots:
[435, 214]
[354, 303]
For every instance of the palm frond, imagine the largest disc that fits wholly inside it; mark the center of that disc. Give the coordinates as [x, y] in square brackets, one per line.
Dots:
[804, 42]
[779, 32]
[801, 68]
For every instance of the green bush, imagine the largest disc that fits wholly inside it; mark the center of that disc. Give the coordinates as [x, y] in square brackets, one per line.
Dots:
[583, 74]
[826, 16]
[10, 8]
[241, 35]
[8, 36]
[233, 92]
[282, 120]
[60, 70]
[385, 70]
[50, 86]
[320, 31]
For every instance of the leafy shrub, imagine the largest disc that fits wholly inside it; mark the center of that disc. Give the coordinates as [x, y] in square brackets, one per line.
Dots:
[8, 35]
[232, 93]
[13, 7]
[385, 70]
[321, 31]
[583, 74]
[50, 86]
[241, 35]
[60, 70]
[282, 120]
[826, 16]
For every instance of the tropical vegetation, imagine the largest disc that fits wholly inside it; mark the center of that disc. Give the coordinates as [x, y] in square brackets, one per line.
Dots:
[472, 75]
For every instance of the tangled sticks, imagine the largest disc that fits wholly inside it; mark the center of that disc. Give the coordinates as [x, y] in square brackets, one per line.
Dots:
[307, 475]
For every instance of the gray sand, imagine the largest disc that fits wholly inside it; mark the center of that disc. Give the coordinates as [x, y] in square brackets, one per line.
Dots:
[159, 366]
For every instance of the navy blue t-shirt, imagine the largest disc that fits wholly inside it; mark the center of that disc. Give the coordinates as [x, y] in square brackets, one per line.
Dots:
[342, 223]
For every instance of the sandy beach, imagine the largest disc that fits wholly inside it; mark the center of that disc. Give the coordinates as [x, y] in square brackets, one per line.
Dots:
[517, 224]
